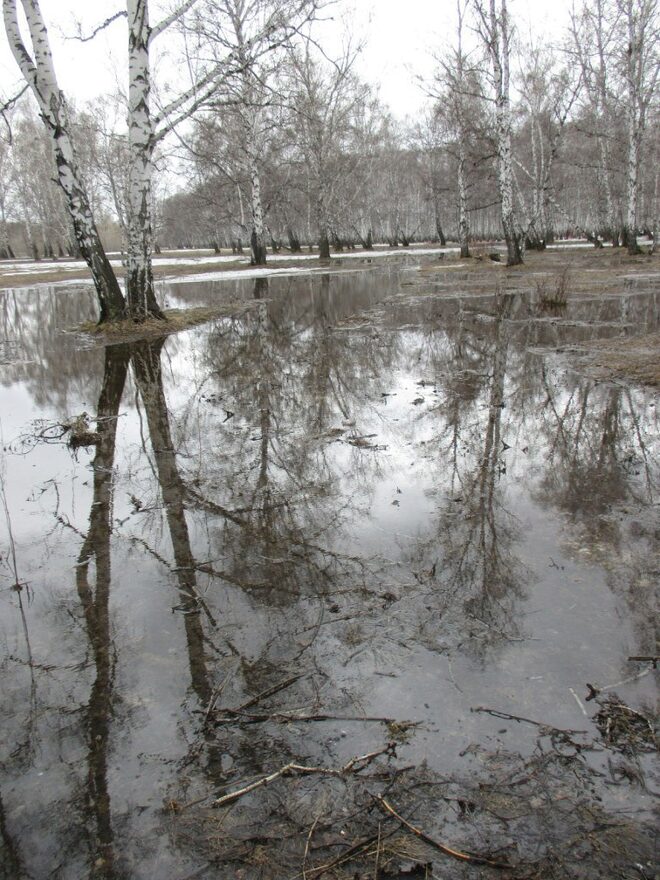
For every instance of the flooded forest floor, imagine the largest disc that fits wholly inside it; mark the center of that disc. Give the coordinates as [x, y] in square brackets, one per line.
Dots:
[357, 579]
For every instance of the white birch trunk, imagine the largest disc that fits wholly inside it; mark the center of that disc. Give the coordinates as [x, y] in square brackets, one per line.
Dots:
[141, 141]
[611, 225]
[642, 71]
[499, 51]
[463, 216]
[633, 184]
[5, 245]
[39, 72]
[257, 243]
[250, 121]
[323, 221]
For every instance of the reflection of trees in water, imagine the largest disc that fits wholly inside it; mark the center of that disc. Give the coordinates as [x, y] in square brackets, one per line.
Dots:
[597, 457]
[52, 363]
[271, 492]
[11, 861]
[95, 605]
[600, 472]
[93, 838]
[49, 361]
[287, 381]
[146, 360]
[595, 445]
[470, 564]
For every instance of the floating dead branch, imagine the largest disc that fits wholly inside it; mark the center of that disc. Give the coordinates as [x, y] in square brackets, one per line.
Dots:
[291, 718]
[355, 765]
[521, 719]
[473, 858]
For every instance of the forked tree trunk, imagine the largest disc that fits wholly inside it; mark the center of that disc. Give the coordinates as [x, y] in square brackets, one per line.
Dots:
[39, 72]
[294, 241]
[141, 300]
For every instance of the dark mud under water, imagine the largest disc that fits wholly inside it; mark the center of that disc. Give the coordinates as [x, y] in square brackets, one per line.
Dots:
[346, 503]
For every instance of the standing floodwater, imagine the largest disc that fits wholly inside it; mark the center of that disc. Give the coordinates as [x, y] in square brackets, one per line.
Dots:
[361, 517]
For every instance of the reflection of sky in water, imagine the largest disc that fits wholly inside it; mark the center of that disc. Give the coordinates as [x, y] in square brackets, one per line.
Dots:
[424, 547]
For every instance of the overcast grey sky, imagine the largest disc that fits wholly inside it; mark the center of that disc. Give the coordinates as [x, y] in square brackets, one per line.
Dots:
[401, 37]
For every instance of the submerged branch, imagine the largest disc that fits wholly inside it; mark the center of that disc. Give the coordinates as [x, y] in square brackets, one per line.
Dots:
[447, 850]
[292, 769]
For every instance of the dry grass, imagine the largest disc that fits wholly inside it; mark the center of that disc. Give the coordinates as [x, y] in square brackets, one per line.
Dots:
[153, 328]
[635, 359]
[552, 290]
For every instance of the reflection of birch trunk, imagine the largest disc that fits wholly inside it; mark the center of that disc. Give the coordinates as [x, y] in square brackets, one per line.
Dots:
[490, 457]
[95, 605]
[610, 430]
[322, 364]
[481, 572]
[263, 390]
[149, 380]
[12, 863]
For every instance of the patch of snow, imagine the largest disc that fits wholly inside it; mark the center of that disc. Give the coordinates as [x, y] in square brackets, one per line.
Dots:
[238, 274]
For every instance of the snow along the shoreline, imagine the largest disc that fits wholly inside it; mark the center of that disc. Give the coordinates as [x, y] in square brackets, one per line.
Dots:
[41, 267]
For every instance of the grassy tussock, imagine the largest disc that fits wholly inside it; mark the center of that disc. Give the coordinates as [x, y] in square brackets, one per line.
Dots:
[175, 320]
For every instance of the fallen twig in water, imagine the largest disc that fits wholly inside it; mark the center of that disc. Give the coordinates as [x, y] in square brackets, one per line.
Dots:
[447, 850]
[286, 718]
[293, 769]
[269, 692]
[306, 853]
[507, 717]
[352, 851]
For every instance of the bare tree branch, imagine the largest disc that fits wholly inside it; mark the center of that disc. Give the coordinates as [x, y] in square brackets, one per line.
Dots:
[10, 103]
[158, 29]
[101, 27]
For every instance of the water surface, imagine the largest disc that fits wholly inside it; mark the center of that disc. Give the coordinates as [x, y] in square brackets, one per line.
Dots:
[374, 503]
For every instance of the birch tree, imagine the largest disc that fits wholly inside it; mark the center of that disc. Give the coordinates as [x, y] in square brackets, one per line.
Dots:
[640, 62]
[457, 102]
[145, 131]
[325, 96]
[250, 33]
[38, 69]
[6, 180]
[547, 95]
[595, 33]
[495, 31]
